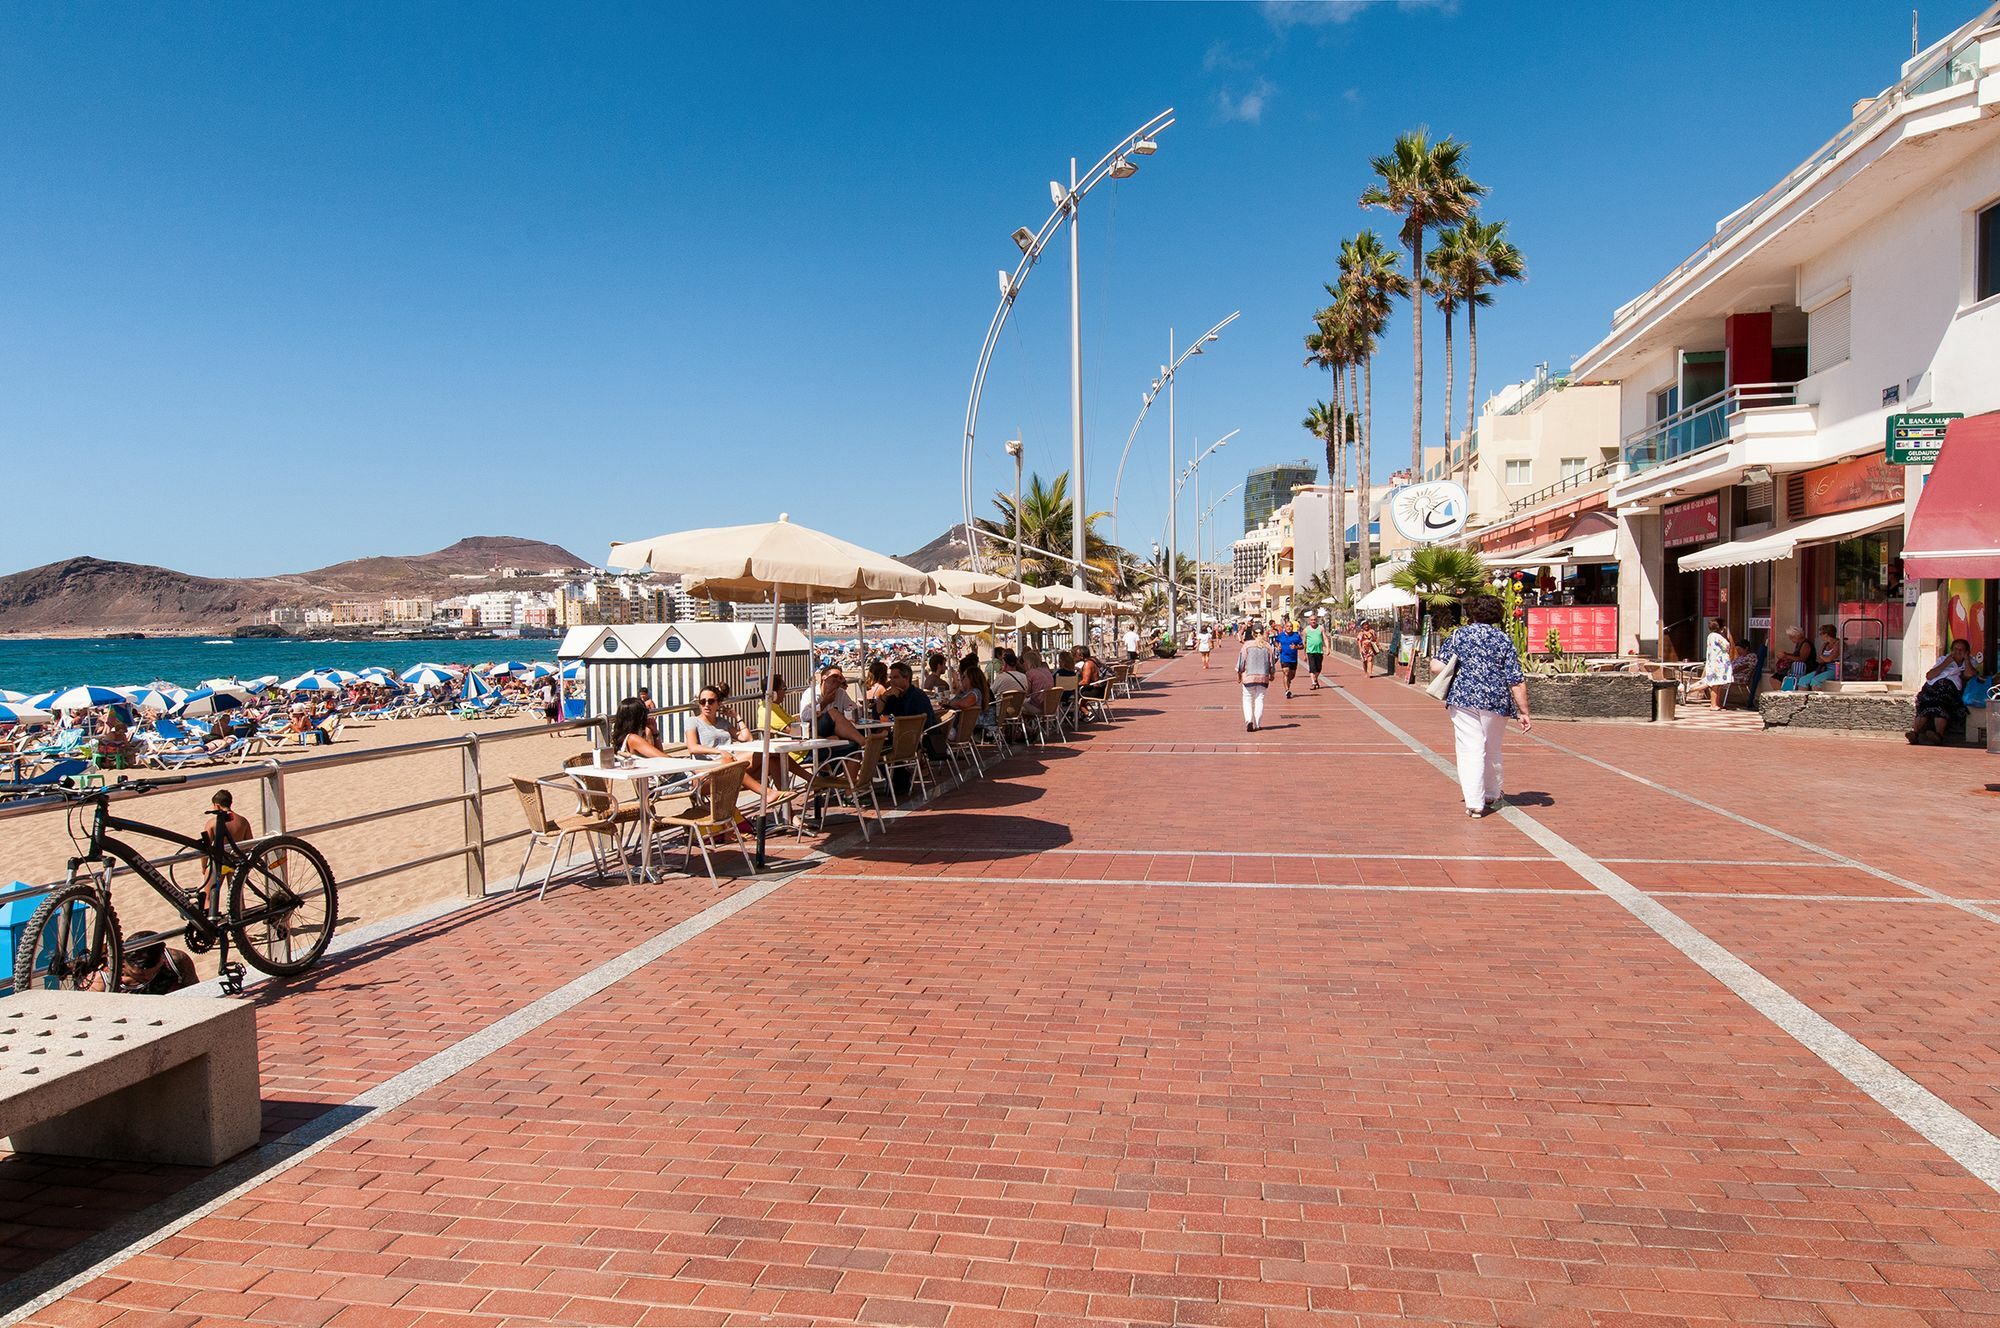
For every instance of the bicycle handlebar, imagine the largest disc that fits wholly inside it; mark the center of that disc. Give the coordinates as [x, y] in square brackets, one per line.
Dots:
[63, 791]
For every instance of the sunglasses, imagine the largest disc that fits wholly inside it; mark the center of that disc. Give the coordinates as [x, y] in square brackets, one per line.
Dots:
[711, 700]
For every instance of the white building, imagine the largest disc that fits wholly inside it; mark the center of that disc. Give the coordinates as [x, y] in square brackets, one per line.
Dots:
[1758, 377]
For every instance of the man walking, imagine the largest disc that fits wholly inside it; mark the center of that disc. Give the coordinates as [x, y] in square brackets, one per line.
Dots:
[1286, 641]
[1315, 651]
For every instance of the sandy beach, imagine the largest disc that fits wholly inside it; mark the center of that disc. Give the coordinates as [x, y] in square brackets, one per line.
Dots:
[34, 848]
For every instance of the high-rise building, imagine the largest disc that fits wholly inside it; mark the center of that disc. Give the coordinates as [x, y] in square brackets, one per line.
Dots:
[1268, 488]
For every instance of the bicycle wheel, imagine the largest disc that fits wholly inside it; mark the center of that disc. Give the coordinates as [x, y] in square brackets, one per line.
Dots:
[282, 906]
[71, 944]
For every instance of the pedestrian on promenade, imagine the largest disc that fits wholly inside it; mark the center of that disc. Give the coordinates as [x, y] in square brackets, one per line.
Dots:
[1488, 688]
[1204, 641]
[1286, 641]
[1253, 670]
[1366, 643]
[1315, 651]
[1718, 670]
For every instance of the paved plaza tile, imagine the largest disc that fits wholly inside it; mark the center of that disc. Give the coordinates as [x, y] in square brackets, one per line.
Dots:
[1178, 1024]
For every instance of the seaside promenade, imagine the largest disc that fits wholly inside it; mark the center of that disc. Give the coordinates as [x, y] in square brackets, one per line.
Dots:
[1175, 1024]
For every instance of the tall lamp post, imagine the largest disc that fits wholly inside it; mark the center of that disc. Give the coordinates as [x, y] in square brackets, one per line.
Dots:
[1117, 164]
[1014, 450]
[1169, 372]
[1199, 526]
[1191, 473]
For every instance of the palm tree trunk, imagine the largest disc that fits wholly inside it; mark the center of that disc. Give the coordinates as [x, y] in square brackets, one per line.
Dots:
[1416, 239]
[1364, 481]
[1447, 389]
[1336, 466]
[1471, 367]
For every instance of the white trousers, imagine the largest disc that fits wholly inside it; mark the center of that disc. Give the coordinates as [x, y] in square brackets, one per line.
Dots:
[1253, 702]
[1478, 735]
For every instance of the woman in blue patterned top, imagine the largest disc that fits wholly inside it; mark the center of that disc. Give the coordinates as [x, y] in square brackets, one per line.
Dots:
[1488, 688]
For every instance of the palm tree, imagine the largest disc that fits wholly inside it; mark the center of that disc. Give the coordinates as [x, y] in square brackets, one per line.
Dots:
[1045, 528]
[1440, 576]
[1443, 262]
[1422, 182]
[1369, 284]
[1323, 421]
[1487, 258]
[1183, 579]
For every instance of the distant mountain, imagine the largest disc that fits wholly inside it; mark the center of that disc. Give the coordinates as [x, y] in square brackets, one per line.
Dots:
[947, 550]
[96, 595]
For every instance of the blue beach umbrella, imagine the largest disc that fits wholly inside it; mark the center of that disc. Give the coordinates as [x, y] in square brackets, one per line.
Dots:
[476, 687]
[12, 712]
[10, 696]
[540, 669]
[212, 701]
[571, 671]
[83, 698]
[311, 682]
[158, 698]
[342, 676]
[504, 669]
[427, 675]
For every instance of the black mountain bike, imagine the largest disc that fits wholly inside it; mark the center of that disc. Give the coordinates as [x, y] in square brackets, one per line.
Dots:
[279, 910]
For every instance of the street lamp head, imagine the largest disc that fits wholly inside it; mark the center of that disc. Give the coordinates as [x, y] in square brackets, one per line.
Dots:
[1145, 147]
[1006, 285]
[1014, 448]
[1195, 349]
[1057, 193]
[1024, 237]
[1123, 168]
[1149, 395]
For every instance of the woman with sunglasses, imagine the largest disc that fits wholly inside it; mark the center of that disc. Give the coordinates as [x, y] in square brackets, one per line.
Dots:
[712, 729]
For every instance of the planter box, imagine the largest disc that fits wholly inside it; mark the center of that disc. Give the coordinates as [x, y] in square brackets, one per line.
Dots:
[1864, 712]
[1591, 696]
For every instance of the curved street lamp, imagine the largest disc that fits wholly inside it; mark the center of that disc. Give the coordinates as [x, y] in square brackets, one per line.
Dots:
[1117, 164]
[1168, 374]
[1199, 526]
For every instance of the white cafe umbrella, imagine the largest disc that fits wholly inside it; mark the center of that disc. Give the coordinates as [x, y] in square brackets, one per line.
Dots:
[1384, 597]
[976, 585]
[775, 560]
[1033, 619]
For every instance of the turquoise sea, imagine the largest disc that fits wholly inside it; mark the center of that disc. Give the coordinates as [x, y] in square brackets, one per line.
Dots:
[31, 666]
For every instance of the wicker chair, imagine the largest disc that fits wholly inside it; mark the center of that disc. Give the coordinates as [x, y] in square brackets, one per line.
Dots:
[844, 782]
[906, 752]
[713, 812]
[553, 830]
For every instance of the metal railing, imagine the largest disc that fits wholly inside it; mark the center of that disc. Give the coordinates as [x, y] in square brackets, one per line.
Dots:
[1701, 425]
[1603, 470]
[1954, 61]
[472, 848]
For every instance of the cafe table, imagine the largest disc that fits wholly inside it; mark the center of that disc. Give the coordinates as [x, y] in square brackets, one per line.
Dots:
[784, 746]
[643, 770]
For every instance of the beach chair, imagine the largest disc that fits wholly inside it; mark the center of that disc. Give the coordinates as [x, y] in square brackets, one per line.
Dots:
[63, 743]
[58, 772]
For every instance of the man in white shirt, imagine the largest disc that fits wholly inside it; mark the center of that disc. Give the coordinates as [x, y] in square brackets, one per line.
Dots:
[1132, 645]
[827, 711]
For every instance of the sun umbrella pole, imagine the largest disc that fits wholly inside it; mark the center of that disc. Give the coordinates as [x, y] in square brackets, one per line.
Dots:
[764, 769]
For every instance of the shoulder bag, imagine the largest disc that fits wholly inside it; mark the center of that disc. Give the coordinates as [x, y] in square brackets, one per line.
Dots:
[1441, 679]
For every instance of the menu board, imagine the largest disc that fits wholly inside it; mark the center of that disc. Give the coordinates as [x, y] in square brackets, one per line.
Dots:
[1583, 629]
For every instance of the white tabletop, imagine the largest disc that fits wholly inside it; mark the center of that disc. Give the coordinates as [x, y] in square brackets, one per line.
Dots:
[784, 745]
[643, 767]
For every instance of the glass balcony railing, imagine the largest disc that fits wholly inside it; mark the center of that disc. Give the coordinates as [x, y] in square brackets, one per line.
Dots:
[1704, 424]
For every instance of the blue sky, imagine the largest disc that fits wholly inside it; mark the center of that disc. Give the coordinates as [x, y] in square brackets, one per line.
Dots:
[281, 285]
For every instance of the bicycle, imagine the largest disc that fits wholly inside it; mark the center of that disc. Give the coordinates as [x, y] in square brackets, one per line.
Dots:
[281, 909]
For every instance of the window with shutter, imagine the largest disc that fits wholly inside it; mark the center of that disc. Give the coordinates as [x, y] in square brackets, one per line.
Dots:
[1827, 335]
[1795, 497]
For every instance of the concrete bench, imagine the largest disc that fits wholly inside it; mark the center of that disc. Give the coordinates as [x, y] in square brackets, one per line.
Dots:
[132, 1078]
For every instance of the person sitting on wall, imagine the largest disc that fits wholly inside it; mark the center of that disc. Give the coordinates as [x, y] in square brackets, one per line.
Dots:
[1797, 659]
[1941, 700]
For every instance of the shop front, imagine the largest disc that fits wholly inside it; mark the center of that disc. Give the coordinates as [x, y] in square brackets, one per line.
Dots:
[1689, 597]
[1954, 539]
[1570, 587]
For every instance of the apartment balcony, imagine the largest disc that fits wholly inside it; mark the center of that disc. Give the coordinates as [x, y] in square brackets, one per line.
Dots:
[1751, 424]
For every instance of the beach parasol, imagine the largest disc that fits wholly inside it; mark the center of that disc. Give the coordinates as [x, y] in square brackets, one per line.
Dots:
[776, 561]
[342, 676]
[540, 669]
[476, 687]
[571, 671]
[158, 698]
[13, 712]
[9, 697]
[511, 666]
[255, 685]
[82, 698]
[428, 675]
[212, 701]
[310, 682]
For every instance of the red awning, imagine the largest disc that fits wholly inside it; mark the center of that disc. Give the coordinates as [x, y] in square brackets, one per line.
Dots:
[1956, 531]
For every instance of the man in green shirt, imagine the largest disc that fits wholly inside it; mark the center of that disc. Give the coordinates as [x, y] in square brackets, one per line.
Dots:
[1315, 650]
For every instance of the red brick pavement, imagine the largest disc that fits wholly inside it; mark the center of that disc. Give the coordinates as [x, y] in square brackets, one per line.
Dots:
[992, 1072]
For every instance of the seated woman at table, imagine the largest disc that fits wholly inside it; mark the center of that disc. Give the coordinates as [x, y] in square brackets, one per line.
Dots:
[1065, 664]
[710, 732]
[632, 730]
[1040, 676]
[771, 712]
[973, 692]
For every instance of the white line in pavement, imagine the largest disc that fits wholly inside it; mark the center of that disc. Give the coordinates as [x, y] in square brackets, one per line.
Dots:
[1831, 855]
[1085, 882]
[1949, 1129]
[1220, 853]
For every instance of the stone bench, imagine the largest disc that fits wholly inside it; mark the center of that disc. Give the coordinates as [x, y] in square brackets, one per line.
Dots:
[131, 1078]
